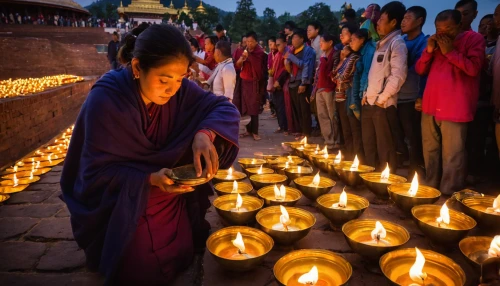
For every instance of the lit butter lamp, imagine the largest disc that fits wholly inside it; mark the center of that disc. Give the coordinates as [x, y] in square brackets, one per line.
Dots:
[235, 209]
[414, 267]
[295, 172]
[258, 171]
[4, 197]
[330, 165]
[485, 210]
[378, 182]
[441, 225]
[266, 157]
[349, 171]
[285, 225]
[233, 188]
[310, 152]
[313, 187]
[373, 238]
[288, 161]
[15, 181]
[341, 208]
[246, 163]
[320, 160]
[309, 267]
[264, 180]
[479, 248]
[228, 175]
[239, 248]
[52, 160]
[283, 195]
[406, 195]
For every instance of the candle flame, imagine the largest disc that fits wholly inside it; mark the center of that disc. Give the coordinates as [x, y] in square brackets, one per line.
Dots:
[385, 174]
[284, 218]
[290, 160]
[15, 169]
[235, 187]
[304, 141]
[338, 158]
[280, 194]
[355, 164]
[37, 165]
[325, 153]
[299, 169]
[238, 242]
[286, 165]
[343, 199]
[494, 250]
[31, 175]
[239, 202]
[16, 181]
[310, 278]
[230, 172]
[50, 158]
[379, 232]
[416, 271]
[445, 215]
[253, 161]
[259, 172]
[414, 186]
[316, 180]
[496, 204]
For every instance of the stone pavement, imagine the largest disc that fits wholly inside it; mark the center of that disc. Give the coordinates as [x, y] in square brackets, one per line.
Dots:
[37, 246]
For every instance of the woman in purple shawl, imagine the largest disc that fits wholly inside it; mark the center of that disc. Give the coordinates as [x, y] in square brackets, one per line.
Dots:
[135, 225]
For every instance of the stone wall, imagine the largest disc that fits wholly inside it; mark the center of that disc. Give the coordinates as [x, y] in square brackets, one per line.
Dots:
[27, 122]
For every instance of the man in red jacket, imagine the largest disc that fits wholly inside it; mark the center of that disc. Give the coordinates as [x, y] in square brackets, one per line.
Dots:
[452, 60]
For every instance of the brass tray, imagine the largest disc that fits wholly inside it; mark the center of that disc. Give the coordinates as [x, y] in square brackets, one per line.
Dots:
[186, 175]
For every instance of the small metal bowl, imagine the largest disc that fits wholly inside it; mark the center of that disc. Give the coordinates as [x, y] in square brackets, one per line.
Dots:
[333, 269]
[476, 208]
[224, 204]
[356, 206]
[261, 181]
[475, 249]
[425, 195]
[12, 189]
[186, 175]
[27, 173]
[357, 232]
[351, 178]
[246, 163]
[460, 224]
[226, 188]
[222, 176]
[4, 197]
[316, 159]
[311, 192]
[379, 187]
[267, 194]
[254, 171]
[300, 218]
[20, 181]
[257, 243]
[293, 172]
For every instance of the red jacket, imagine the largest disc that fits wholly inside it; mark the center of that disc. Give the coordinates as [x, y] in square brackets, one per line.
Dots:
[452, 89]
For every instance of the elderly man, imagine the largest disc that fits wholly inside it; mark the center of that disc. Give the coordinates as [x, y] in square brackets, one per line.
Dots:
[223, 79]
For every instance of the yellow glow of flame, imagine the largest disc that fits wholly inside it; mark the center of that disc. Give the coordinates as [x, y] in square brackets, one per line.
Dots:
[496, 204]
[16, 181]
[355, 164]
[304, 141]
[280, 194]
[379, 232]
[316, 180]
[299, 169]
[325, 150]
[286, 165]
[37, 165]
[50, 158]
[343, 199]
[31, 175]
[338, 158]
[385, 174]
[310, 278]
[444, 215]
[239, 201]
[414, 186]
[15, 169]
[259, 172]
[230, 172]
[284, 218]
[235, 187]
[494, 250]
[238, 242]
[253, 161]
[416, 271]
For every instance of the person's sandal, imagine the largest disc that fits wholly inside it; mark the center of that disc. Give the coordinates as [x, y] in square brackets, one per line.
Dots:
[256, 137]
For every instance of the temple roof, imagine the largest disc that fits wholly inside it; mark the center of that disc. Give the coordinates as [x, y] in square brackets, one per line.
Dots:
[65, 4]
[200, 7]
[147, 7]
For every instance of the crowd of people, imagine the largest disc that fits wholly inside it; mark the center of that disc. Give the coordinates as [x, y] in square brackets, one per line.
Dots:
[386, 93]
[55, 19]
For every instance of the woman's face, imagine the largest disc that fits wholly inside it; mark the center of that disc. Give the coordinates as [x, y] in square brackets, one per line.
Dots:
[345, 36]
[356, 43]
[194, 49]
[159, 84]
[209, 47]
[280, 45]
[324, 45]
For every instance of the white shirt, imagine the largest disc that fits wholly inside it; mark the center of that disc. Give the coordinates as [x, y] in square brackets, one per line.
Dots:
[224, 79]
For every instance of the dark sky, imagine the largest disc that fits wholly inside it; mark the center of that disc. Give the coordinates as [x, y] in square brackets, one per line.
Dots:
[296, 6]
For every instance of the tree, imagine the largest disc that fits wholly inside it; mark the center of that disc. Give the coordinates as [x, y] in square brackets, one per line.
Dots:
[111, 12]
[227, 20]
[187, 20]
[244, 19]
[322, 13]
[206, 20]
[285, 17]
[268, 26]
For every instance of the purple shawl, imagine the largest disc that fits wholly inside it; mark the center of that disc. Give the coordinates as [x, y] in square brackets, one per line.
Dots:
[116, 145]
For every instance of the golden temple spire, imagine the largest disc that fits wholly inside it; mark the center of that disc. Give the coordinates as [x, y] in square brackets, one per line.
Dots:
[201, 8]
[121, 4]
[185, 4]
[171, 4]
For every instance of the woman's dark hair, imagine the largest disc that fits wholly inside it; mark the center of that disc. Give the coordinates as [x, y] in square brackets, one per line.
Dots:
[213, 39]
[127, 44]
[155, 46]
[361, 34]
[195, 44]
[327, 37]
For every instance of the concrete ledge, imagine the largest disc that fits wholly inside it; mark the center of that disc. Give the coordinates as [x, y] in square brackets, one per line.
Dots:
[27, 122]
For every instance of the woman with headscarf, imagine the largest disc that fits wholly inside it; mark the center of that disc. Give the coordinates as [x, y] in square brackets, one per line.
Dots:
[372, 14]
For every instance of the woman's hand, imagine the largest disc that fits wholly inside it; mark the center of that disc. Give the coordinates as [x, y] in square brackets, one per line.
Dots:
[162, 181]
[202, 146]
